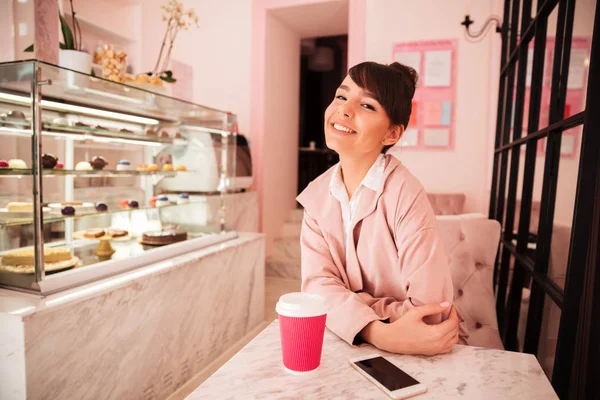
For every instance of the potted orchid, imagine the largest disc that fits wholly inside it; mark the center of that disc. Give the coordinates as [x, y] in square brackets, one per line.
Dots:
[70, 54]
[177, 19]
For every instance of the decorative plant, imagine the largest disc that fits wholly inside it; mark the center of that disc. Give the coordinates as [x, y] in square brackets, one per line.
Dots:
[71, 41]
[176, 19]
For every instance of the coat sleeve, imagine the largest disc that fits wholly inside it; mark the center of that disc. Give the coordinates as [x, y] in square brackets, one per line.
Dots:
[422, 258]
[347, 313]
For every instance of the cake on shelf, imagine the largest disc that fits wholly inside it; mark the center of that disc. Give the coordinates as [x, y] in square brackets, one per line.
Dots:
[22, 260]
[19, 206]
[160, 238]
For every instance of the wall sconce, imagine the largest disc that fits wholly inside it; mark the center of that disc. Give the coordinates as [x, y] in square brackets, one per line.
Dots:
[478, 35]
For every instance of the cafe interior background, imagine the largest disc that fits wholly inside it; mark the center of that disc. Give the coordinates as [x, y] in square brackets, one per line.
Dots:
[520, 238]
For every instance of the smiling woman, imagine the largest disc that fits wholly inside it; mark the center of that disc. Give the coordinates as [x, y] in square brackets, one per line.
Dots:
[370, 243]
[378, 99]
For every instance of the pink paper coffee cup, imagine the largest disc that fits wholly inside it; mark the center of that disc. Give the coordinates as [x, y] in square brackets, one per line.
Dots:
[302, 327]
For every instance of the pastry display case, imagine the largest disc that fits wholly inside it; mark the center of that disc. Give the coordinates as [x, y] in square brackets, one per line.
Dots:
[97, 177]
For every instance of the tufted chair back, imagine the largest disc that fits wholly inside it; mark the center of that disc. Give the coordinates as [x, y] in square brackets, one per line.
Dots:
[472, 243]
[447, 203]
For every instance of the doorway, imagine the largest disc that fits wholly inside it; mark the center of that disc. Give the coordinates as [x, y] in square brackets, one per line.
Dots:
[323, 65]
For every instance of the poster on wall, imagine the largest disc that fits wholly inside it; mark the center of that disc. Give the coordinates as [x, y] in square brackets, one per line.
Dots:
[432, 122]
[576, 89]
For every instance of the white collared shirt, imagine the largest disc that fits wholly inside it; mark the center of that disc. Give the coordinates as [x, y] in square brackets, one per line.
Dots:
[336, 186]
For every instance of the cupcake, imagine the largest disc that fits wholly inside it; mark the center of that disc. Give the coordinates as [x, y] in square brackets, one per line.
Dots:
[167, 167]
[49, 161]
[83, 166]
[183, 198]
[60, 121]
[98, 162]
[162, 201]
[181, 168]
[124, 165]
[17, 164]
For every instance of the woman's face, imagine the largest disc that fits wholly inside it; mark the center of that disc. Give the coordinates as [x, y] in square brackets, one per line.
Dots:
[356, 124]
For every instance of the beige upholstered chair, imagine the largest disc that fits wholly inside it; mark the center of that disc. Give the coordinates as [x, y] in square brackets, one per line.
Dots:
[472, 242]
[447, 203]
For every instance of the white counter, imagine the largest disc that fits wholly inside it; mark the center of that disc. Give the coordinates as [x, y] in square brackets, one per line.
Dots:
[141, 334]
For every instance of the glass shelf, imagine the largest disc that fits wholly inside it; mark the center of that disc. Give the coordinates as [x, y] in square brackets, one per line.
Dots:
[88, 174]
[71, 88]
[98, 135]
[50, 217]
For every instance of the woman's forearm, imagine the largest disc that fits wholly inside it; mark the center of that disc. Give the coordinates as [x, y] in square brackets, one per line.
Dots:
[375, 334]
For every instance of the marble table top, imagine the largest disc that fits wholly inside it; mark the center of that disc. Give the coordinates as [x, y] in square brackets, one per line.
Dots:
[256, 372]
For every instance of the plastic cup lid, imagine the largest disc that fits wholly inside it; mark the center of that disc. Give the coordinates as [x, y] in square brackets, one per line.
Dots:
[301, 305]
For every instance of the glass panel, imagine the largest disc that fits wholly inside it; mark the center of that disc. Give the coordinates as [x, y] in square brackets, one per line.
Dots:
[565, 204]
[527, 97]
[579, 62]
[16, 193]
[84, 90]
[513, 96]
[536, 200]
[109, 151]
[500, 189]
[548, 68]
[549, 336]
[524, 310]
[515, 230]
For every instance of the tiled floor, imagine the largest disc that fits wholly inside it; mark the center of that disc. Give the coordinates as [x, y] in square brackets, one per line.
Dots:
[275, 287]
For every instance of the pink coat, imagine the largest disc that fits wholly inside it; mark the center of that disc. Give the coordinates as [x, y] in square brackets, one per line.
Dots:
[397, 252]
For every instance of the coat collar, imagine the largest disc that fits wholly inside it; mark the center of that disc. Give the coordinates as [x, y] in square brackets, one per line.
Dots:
[319, 203]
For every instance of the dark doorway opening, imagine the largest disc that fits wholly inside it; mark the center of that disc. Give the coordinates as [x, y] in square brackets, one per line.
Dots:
[323, 65]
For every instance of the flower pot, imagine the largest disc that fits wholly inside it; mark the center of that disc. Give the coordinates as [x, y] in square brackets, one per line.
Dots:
[76, 61]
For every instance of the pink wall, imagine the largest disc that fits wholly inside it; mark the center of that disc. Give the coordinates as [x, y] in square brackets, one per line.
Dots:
[274, 139]
[280, 135]
[218, 51]
[466, 168]
[7, 44]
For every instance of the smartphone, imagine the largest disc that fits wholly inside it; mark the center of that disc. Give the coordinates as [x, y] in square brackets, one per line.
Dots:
[386, 376]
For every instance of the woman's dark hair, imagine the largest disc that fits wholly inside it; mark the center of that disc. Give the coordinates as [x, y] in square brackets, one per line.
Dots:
[393, 86]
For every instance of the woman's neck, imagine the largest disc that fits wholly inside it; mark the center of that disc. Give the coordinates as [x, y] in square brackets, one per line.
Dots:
[354, 170]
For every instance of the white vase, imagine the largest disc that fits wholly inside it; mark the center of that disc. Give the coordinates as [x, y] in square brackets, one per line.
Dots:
[76, 61]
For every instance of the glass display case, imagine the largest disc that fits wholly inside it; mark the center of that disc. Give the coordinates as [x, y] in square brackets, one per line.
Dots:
[98, 177]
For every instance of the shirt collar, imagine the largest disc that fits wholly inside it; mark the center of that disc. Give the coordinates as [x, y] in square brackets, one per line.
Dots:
[372, 180]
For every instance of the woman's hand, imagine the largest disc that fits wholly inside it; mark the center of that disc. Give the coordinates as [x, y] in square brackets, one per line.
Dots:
[410, 335]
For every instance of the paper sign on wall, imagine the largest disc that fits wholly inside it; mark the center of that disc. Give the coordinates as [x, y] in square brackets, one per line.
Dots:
[432, 123]
[437, 137]
[438, 68]
[410, 138]
[411, 59]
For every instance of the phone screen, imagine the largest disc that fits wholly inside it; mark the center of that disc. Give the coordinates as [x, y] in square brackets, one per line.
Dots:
[386, 373]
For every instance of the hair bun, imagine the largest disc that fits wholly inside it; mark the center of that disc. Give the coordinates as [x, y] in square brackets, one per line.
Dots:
[408, 72]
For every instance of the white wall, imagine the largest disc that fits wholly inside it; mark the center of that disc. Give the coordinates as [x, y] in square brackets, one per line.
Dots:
[467, 168]
[280, 158]
[218, 51]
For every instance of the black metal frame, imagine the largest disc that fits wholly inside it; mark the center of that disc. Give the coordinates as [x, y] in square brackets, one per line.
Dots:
[576, 367]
